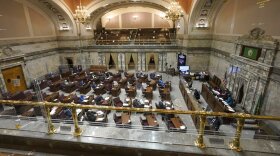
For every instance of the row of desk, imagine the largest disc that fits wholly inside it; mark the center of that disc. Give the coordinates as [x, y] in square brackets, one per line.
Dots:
[191, 103]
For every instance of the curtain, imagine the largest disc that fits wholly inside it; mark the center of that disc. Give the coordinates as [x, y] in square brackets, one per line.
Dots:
[148, 55]
[156, 60]
[107, 59]
[115, 58]
[127, 58]
[134, 56]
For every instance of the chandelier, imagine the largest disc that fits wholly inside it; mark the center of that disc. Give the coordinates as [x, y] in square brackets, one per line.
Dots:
[174, 12]
[81, 15]
[261, 3]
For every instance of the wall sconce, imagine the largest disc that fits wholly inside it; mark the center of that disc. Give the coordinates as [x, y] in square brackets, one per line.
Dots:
[135, 17]
[178, 26]
[88, 27]
[109, 18]
[202, 24]
[162, 15]
[64, 27]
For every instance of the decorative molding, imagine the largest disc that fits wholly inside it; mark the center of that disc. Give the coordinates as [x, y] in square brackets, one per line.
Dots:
[258, 34]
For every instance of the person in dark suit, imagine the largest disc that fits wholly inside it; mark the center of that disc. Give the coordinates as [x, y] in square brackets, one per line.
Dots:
[196, 94]
[216, 122]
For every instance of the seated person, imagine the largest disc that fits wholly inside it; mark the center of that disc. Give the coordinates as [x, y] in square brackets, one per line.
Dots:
[160, 105]
[190, 84]
[93, 86]
[161, 83]
[82, 83]
[196, 94]
[115, 83]
[91, 115]
[152, 75]
[229, 101]
[224, 95]
[217, 91]
[67, 113]
[81, 99]
[98, 99]
[216, 122]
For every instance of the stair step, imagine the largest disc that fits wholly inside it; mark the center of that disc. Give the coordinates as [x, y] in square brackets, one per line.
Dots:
[247, 126]
[251, 121]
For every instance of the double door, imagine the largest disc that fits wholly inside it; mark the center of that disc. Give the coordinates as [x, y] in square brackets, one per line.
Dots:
[14, 79]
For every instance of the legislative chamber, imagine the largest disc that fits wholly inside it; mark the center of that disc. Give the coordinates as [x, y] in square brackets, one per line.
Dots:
[139, 77]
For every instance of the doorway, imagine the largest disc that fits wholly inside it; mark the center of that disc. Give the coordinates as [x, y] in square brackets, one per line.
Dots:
[240, 94]
[152, 64]
[70, 62]
[131, 63]
[14, 79]
[112, 64]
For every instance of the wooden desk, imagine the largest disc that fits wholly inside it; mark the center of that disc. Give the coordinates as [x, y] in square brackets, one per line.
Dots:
[131, 92]
[165, 95]
[51, 97]
[69, 87]
[68, 99]
[149, 89]
[125, 118]
[129, 75]
[192, 104]
[123, 82]
[143, 78]
[215, 104]
[100, 89]
[151, 120]
[176, 122]
[127, 102]
[153, 84]
[88, 101]
[166, 91]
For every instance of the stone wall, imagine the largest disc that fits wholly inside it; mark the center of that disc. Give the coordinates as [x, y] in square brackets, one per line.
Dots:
[218, 64]
[255, 76]
[40, 66]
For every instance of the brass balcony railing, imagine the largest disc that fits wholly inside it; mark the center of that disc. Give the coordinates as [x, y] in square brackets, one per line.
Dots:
[234, 144]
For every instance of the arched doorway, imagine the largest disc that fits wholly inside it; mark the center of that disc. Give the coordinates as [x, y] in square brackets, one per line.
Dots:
[240, 94]
[131, 63]
[70, 62]
[152, 64]
[112, 64]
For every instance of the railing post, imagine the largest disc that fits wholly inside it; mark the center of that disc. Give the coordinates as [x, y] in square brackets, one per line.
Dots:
[77, 130]
[18, 125]
[199, 141]
[51, 128]
[235, 143]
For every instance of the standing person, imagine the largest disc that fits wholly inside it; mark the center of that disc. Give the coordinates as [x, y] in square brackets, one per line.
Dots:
[216, 122]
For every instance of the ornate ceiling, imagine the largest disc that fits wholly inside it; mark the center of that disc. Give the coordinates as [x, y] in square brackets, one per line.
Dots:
[72, 4]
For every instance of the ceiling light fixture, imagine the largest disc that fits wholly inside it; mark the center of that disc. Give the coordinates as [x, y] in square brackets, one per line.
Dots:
[174, 12]
[261, 3]
[81, 14]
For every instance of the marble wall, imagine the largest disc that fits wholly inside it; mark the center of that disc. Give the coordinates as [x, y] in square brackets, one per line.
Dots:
[198, 61]
[38, 67]
[218, 64]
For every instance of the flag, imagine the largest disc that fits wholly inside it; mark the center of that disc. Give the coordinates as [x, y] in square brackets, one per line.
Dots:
[251, 53]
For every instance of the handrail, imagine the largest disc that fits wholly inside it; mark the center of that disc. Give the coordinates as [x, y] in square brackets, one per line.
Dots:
[235, 144]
